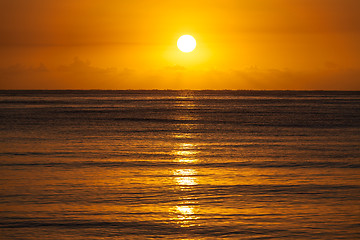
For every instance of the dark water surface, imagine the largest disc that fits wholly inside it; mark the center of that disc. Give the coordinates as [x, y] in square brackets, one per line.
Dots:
[179, 165]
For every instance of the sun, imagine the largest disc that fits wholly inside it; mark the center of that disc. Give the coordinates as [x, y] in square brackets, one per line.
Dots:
[186, 43]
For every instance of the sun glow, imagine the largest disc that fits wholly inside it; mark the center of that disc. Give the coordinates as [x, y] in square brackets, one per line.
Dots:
[186, 43]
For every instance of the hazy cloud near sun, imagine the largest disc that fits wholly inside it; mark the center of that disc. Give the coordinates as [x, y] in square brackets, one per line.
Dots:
[80, 72]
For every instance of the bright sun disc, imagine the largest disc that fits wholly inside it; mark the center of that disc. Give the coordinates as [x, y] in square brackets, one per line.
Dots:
[186, 43]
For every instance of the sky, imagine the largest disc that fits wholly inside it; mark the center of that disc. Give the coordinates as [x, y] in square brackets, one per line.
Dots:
[241, 44]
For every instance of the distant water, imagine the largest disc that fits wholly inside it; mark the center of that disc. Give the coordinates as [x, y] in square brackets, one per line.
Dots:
[179, 165]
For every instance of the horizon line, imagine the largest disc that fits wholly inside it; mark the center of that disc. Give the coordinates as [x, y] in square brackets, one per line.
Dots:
[269, 90]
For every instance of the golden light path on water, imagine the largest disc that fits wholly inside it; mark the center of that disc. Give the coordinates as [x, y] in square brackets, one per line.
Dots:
[185, 179]
[185, 213]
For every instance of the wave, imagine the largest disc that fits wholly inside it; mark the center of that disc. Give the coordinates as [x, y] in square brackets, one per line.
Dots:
[166, 164]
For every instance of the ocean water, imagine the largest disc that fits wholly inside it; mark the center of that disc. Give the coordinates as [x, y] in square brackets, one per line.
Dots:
[179, 165]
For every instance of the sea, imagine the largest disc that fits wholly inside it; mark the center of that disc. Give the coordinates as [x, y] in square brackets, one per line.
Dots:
[163, 164]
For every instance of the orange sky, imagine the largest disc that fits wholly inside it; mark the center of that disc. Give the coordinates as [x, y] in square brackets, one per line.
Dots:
[111, 44]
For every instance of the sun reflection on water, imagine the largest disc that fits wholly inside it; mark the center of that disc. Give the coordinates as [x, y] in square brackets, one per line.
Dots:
[185, 153]
[185, 177]
[185, 215]
[185, 180]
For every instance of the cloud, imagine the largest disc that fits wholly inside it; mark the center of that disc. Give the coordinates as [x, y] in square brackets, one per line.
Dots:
[323, 79]
[81, 74]
[21, 69]
[83, 67]
[12, 76]
[77, 75]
